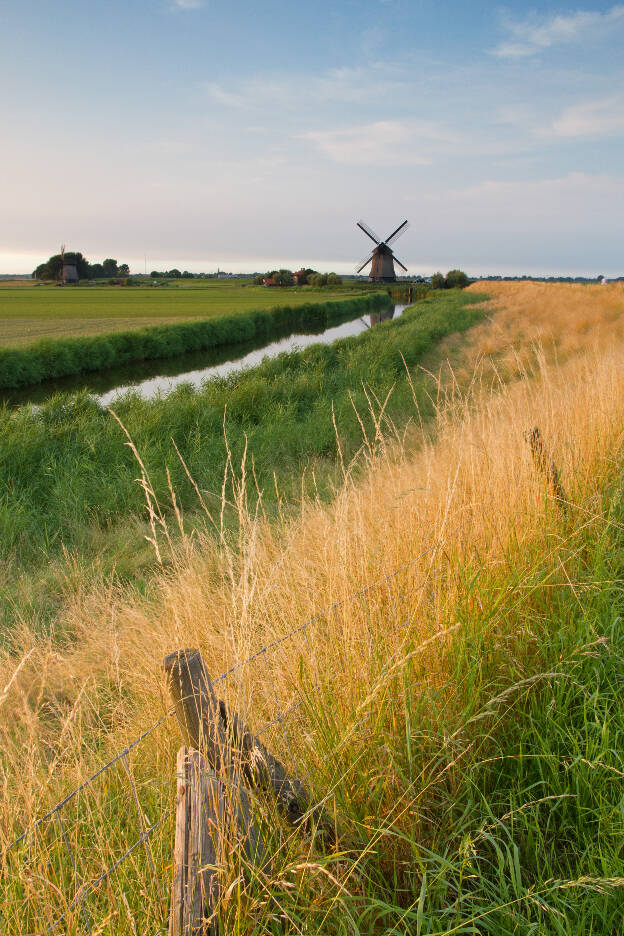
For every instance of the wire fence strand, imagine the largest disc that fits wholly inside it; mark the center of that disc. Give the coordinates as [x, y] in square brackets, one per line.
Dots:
[279, 718]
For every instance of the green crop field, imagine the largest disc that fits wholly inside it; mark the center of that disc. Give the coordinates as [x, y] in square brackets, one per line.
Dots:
[30, 314]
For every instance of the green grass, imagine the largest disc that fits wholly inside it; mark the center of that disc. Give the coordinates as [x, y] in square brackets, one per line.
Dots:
[68, 481]
[31, 314]
[62, 357]
[506, 815]
[493, 804]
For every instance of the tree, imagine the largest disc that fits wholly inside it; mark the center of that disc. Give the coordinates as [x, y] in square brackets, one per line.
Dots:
[96, 271]
[53, 268]
[438, 281]
[456, 279]
[174, 274]
[124, 270]
[283, 277]
[110, 267]
[334, 280]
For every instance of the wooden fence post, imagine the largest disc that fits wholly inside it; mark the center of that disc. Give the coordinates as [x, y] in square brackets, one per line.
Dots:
[206, 724]
[212, 807]
[198, 817]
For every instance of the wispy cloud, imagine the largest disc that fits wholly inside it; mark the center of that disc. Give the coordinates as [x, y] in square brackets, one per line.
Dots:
[535, 34]
[222, 96]
[187, 4]
[337, 85]
[597, 118]
[384, 143]
[536, 206]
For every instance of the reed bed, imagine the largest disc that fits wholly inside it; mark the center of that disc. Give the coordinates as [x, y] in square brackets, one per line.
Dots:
[460, 719]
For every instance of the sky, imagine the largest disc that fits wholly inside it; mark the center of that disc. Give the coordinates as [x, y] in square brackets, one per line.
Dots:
[248, 135]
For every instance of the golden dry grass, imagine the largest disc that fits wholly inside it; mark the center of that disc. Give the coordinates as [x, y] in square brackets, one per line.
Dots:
[561, 319]
[470, 499]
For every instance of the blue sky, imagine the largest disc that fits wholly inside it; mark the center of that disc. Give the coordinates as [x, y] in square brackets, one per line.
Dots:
[248, 135]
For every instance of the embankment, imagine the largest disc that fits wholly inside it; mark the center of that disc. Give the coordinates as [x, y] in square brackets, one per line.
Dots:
[65, 357]
[68, 481]
[462, 720]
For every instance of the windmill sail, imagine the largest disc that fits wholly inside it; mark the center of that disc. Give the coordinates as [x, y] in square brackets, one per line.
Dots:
[382, 259]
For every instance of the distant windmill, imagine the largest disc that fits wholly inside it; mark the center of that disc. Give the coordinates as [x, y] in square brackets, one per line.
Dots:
[382, 269]
[69, 269]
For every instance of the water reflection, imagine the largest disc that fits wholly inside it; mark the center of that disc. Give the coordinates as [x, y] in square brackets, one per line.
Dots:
[150, 378]
[384, 315]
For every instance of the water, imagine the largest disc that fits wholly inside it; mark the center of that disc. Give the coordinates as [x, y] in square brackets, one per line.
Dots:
[153, 378]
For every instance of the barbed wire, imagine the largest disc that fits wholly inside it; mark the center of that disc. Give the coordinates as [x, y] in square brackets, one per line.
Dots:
[91, 886]
[89, 781]
[319, 615]
[146, 831]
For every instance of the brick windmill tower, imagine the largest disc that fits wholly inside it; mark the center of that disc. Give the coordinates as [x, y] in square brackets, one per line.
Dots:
[383, 260]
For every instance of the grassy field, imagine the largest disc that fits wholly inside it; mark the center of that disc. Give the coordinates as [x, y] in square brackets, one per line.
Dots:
[68, 482]
[49, 359]
[31, 314]
[466, 721]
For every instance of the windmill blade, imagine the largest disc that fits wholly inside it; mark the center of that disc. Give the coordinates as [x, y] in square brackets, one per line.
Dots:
[366, 262]
[368, 231]
[399, 262]
[402, 228]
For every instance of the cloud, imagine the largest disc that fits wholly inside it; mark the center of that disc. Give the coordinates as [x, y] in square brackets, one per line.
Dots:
[574, 203]
[384, 143]
[337, 85]
[535, 34]
[219, 94]
[187, 4]
[597, 118]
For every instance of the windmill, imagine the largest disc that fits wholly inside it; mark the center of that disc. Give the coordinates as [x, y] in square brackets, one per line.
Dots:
[382, 269]
[69, 270]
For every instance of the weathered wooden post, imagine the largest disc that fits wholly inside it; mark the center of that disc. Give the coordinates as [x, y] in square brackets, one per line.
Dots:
[207, 725]
[213, 809]
[195, 883]
[204, 804]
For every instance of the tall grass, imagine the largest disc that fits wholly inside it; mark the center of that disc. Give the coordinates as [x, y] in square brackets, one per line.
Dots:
[63, 357]
[68, 481]
[467, 722]
[562, 319]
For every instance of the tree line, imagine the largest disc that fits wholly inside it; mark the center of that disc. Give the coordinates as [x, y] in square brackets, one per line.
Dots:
[52, 269]
[454, 279]
[306, 277]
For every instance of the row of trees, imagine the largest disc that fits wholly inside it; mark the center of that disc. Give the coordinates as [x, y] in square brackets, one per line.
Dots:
[52, 269]
[454, 279]
[173, 274]
[307, 277]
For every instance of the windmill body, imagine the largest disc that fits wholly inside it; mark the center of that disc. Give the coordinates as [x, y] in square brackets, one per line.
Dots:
[69, 269]
[382, 258]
